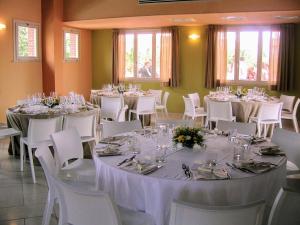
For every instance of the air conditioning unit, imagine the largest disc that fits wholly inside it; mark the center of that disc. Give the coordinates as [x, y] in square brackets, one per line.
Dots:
[166, 1]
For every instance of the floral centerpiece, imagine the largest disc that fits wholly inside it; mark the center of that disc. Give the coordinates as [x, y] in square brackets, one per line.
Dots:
[50, 101]
[188, 136]
[240, 92]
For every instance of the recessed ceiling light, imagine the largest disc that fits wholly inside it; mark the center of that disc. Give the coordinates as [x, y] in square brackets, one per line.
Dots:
[183, 20]
[286, 17]
[233, 18]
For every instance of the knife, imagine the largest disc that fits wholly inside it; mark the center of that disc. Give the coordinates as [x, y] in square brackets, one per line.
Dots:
[127, 160]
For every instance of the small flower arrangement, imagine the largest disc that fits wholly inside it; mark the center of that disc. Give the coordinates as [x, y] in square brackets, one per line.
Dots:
[50, 101]
[188, 136]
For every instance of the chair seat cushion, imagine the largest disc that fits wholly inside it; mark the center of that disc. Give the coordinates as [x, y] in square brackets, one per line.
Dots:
[254, 119]
[35, 145]
[130, 217]
[286, 115]
[159, 107]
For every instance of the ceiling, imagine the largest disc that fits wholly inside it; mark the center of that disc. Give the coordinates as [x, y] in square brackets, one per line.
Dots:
[189, 20]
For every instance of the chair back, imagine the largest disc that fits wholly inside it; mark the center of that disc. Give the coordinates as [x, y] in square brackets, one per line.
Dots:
[189, 107]
[85, 125]
[242, 128]
[165, 99]
[40, 129]
[269, 111]
[288, 102]
[286, 208]
[114, 128]
[145, 104]
[176, 123]
[67, 146]
[79, 206]
[219, 110]
[195, 98]
[47, 162]
[289, 142]
[190, 214]
[157, 94]
[111, 107]
[296, 107]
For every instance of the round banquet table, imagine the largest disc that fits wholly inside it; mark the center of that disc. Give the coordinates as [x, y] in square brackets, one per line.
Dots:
[244, 110]
[153, 193]
[20, 121]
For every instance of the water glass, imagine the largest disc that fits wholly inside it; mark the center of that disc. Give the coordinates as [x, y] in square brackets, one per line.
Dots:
[134, 145]
[238, 153]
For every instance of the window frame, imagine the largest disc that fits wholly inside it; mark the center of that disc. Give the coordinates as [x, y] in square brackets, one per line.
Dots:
[135, 32]
[260, 30]
[35, 25]
[73, 31]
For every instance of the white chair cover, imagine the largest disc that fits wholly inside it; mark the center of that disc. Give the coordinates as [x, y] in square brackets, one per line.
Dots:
[242, 128]
[190, 214]
[288, 102]
[113, 128]
[286, 208]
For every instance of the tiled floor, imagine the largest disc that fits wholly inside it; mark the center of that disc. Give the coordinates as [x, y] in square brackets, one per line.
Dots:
[21, 201]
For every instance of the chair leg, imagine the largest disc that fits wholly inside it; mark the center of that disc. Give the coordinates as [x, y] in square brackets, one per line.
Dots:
[12, 140]
[129, 116]
[296, 126]
[258, 130]
[143, 120]
[48, 209]
[272, 129]
[265, 130]
[183, 117]
[31, 164]
[21, 155]
[280, 124]
[166, 112]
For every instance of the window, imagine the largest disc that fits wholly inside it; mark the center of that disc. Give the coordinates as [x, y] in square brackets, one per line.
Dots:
[71, 45]
[250, 54]
[142, 54]
[26, 35]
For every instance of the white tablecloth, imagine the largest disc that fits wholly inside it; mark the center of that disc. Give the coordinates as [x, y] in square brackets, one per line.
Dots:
[154, 193]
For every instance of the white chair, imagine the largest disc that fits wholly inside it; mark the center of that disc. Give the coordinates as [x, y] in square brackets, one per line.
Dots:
[47, 162]
[145, 106]
[190, 110]
[268, 114]
[39, 131]
[85, 125]
[196, 99]
[11, 133]
[242, 128]
[79, 206]
[163, 105]
[113, 128]
[68, 146]
[157, 94]
[288, 102]
[292, 115]
[219, 110]
[111, 108]
[191, 214]
[289, 142]
[286, 208]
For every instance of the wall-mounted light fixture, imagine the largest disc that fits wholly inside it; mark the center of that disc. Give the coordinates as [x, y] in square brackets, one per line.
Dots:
[194, 36]
[2, 26]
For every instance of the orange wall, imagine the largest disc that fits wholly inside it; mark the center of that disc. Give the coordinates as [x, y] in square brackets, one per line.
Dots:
[77, 76]
[17, 79]
[93, 9]
[59, 75]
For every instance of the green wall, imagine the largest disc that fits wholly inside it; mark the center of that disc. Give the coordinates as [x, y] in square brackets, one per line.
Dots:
[192, 65]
